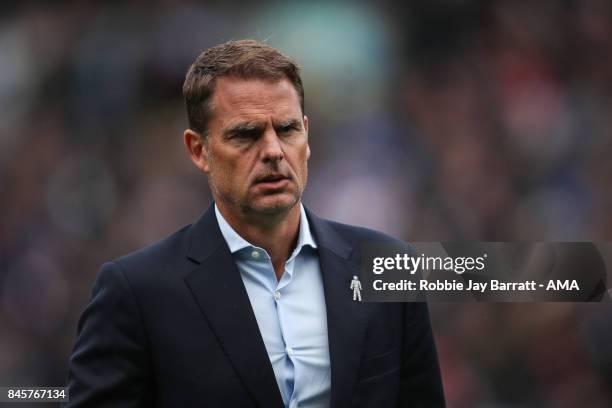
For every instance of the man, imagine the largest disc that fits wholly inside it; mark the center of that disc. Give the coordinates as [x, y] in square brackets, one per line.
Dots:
[250, 306]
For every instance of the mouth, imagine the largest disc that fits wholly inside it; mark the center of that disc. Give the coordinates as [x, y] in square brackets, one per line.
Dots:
[272, 181]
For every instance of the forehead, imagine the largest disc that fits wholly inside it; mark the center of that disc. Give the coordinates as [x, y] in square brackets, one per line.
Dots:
[237, 99]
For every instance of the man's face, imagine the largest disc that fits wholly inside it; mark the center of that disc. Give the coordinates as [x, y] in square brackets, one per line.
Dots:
[257, 149]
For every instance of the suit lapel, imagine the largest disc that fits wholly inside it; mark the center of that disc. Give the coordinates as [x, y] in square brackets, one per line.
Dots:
[346, 319]
[220, 293]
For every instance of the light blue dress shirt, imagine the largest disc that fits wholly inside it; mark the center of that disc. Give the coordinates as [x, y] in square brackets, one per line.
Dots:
[290, 313]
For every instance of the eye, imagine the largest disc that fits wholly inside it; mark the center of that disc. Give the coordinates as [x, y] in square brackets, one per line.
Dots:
[287, 129]
[246, 134]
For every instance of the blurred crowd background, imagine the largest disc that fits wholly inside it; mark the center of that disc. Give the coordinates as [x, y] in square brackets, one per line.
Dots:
[445, 120]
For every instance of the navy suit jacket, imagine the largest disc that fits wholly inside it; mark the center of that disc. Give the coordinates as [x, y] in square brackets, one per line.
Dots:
[171, 325]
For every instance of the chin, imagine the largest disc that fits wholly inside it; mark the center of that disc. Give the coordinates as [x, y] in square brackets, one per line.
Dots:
[274, 205]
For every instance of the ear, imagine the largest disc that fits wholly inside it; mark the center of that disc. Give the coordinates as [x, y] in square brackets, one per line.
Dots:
[197, 149]
[307, 144]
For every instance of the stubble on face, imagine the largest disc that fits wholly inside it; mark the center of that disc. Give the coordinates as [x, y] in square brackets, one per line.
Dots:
[257, 147]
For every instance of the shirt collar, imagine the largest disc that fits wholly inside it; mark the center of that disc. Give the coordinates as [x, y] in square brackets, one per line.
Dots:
[236, 243]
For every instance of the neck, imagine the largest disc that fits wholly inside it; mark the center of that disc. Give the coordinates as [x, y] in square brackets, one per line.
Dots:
[276, 234]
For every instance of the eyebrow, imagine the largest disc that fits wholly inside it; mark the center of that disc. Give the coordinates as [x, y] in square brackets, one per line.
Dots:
[290, 123]
[246, 127]
[243, 127]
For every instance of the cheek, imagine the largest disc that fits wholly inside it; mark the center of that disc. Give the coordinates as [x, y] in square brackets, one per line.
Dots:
[234, 169]
[225, 162]
[306, 155]
[302, 163]
[221, 172]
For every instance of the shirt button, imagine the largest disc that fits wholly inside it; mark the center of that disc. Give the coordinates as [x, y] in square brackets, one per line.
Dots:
[290, 351]
[277, 295]
[255, 254]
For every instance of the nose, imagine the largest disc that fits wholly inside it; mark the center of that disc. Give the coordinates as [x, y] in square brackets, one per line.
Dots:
[271, 150]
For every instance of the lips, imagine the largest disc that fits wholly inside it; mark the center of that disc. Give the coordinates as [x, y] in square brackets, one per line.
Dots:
[272, 178]
[272, 181]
